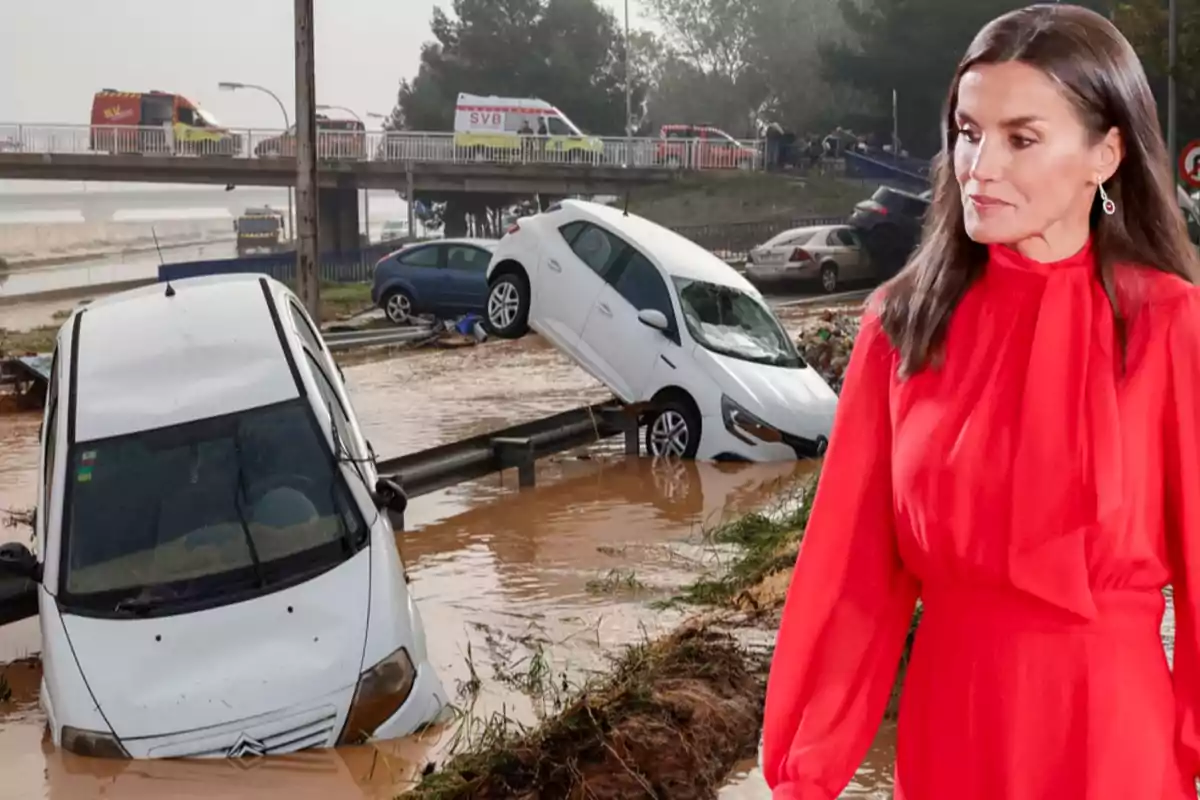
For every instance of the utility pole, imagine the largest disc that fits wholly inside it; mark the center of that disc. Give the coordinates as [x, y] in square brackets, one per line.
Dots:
[1172, 65]
[307, 249]
[895, 126]
[629, 96]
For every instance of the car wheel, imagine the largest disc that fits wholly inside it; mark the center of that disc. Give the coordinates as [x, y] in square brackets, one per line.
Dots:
[508, 306]
[398, 305]
[673, 429]
[829, 278]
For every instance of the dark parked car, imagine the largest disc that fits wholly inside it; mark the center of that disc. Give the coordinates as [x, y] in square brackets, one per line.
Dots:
[445, 278]
[890, 225]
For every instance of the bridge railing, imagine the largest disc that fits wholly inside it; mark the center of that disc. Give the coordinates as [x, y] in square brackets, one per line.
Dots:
[389, 146]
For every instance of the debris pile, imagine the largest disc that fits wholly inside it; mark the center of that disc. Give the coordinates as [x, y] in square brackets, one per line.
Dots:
[826, 339]
[670, 722]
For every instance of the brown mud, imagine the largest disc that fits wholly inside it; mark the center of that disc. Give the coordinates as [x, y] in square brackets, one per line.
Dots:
[671, 721]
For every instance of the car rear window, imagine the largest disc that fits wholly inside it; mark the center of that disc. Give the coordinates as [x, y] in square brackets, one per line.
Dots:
[899, 202]
[790, 237]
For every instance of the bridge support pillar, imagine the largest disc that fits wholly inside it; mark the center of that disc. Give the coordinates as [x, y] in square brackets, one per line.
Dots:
[337, 220]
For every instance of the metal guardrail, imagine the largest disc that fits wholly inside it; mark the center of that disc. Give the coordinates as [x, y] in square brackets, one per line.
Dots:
[345, 340]
[386, 146]
[518, 446]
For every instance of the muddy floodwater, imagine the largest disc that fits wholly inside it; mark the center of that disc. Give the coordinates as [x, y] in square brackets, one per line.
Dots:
[524, 593]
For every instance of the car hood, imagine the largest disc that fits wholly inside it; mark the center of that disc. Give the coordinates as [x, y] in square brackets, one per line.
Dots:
[796, 401]
[163, 676]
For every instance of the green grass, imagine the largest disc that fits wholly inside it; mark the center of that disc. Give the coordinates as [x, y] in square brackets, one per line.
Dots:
[723, 198]
[765, 544]
[339, 300]
[696, 692]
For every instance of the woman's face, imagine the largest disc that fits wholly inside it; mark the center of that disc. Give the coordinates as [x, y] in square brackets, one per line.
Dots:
[1027, 168]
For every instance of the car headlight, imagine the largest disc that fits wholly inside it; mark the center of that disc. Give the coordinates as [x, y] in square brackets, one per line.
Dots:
[93, 744]
[381, 692]
[746, 426]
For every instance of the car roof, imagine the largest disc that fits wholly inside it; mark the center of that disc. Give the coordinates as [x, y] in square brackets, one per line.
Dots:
[677, 255]
[485, 244]
[146, 360]
[465, 98]
[811, 229]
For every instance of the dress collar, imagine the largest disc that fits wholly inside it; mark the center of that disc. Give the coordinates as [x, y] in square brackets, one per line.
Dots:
[1005, 256]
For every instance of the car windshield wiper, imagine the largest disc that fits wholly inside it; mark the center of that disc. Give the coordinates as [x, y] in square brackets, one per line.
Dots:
[239, 490]
[138, 605]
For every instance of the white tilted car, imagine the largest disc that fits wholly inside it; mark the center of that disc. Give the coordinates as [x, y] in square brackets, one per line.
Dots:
[665, 325]
[216, 573]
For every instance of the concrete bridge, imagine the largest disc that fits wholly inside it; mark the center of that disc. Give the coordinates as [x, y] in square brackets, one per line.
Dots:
[348, 162]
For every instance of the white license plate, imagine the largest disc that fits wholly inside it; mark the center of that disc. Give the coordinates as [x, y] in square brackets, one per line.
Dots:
[767, 270]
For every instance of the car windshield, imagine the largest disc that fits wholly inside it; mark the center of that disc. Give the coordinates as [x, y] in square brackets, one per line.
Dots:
[208, 118]
[574, 128]
[729, 321]
[204, 513]
[258, 225]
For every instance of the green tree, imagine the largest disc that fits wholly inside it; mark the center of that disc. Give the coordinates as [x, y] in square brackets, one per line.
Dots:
[912, 47]
[1145, 24]
[567, 52]
[740, 64]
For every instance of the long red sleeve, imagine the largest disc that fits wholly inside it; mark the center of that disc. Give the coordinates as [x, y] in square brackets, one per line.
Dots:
[850, 601]
[1181, 440]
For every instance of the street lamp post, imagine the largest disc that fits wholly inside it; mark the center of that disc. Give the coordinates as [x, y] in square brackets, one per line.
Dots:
[366, 192]
[231, 86]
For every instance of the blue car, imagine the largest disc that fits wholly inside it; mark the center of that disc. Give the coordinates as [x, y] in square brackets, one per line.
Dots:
[444, 278]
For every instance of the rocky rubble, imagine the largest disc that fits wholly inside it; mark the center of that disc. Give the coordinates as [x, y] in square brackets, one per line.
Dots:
[825, 341]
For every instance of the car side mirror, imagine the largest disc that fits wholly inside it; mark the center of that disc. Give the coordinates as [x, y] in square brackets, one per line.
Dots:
[17, 561]
[653, 318]
[389, 495]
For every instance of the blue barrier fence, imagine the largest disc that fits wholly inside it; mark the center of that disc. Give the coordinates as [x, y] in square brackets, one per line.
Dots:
[354, 267]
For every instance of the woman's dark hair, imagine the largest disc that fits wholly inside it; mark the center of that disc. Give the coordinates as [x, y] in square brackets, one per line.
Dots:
[1101, 75]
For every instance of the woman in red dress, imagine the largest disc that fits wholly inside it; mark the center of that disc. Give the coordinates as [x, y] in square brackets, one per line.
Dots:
[1017, 445]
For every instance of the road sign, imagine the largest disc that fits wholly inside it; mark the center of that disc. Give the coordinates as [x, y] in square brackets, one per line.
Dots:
[1189, 164]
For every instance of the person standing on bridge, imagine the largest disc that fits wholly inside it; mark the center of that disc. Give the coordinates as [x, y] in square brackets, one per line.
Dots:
[1018, 445]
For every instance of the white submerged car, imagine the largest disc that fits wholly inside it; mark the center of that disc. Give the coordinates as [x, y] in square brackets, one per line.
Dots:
[218, 576]
[667, 326]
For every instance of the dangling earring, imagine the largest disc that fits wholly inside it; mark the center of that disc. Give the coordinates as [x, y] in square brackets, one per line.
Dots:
[1106, 203]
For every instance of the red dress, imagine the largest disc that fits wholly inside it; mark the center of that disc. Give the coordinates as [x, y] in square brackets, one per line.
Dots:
[1037, 500]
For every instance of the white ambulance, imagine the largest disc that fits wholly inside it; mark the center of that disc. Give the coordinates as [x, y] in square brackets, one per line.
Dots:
[491, 125]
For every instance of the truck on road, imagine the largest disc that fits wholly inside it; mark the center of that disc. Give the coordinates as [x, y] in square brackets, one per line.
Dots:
[260, 230]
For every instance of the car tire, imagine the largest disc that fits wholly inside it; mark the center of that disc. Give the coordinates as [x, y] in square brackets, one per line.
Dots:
[829, 278]
[398, 306]
[507, 312]
[673, 429]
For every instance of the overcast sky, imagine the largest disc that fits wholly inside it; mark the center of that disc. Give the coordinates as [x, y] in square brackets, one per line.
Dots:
[55, 54]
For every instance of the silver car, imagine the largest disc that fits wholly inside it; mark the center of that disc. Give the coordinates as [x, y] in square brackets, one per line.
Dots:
[832, 253]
